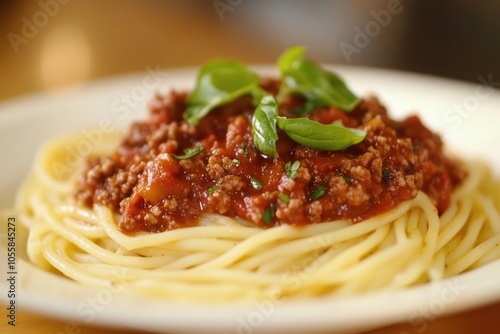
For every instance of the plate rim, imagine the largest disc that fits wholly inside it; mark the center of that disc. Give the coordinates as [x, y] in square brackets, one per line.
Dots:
[480, 296]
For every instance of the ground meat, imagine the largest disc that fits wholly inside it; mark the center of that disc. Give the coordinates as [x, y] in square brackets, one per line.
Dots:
[155, 187]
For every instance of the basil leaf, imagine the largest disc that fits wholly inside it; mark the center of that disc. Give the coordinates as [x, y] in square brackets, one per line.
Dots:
[329, 137]
[306, 78]
[189, 152]
[264, 126]
[219, 82]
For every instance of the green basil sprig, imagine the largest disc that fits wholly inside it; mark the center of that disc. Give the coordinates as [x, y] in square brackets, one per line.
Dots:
[329, 137]
[264, 126]
[220, 82]
[306, 78]
[223, 81]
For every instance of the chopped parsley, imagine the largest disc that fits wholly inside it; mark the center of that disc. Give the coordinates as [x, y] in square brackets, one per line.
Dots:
[255, 183]
[244, 148]
[318, 192]
[386, 176]
[214, 188]
[291, 169]
[284, 198]
[347, 179]
[268, 215]
[189, 152]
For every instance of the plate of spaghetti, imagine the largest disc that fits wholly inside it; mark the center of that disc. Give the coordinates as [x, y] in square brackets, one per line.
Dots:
[247, 199]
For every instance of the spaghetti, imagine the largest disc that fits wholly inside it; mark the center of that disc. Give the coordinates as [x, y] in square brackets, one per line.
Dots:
[250, 189]
[222, 259]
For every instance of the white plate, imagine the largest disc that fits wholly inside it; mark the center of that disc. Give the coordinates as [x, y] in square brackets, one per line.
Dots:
[465, 114]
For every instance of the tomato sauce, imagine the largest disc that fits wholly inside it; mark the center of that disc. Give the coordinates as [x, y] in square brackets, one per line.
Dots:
[156, 186]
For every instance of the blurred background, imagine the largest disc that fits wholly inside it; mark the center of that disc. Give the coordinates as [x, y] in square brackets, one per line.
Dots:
[48, 44]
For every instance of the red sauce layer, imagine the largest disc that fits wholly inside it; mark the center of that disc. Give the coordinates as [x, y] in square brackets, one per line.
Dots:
[154, 191]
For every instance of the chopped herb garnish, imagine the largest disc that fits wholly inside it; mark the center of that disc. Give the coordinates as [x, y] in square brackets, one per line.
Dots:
[386, 176]
[320, 191]
[255, 183]
[268, 215]
[244, 148]
[212, 189]
[284, 198]
[291, 169]
[236, 161]
[347, 179]
[189, 152]
[417, 148]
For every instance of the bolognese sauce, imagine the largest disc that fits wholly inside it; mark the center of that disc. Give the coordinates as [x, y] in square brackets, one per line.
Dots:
[167, 172]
